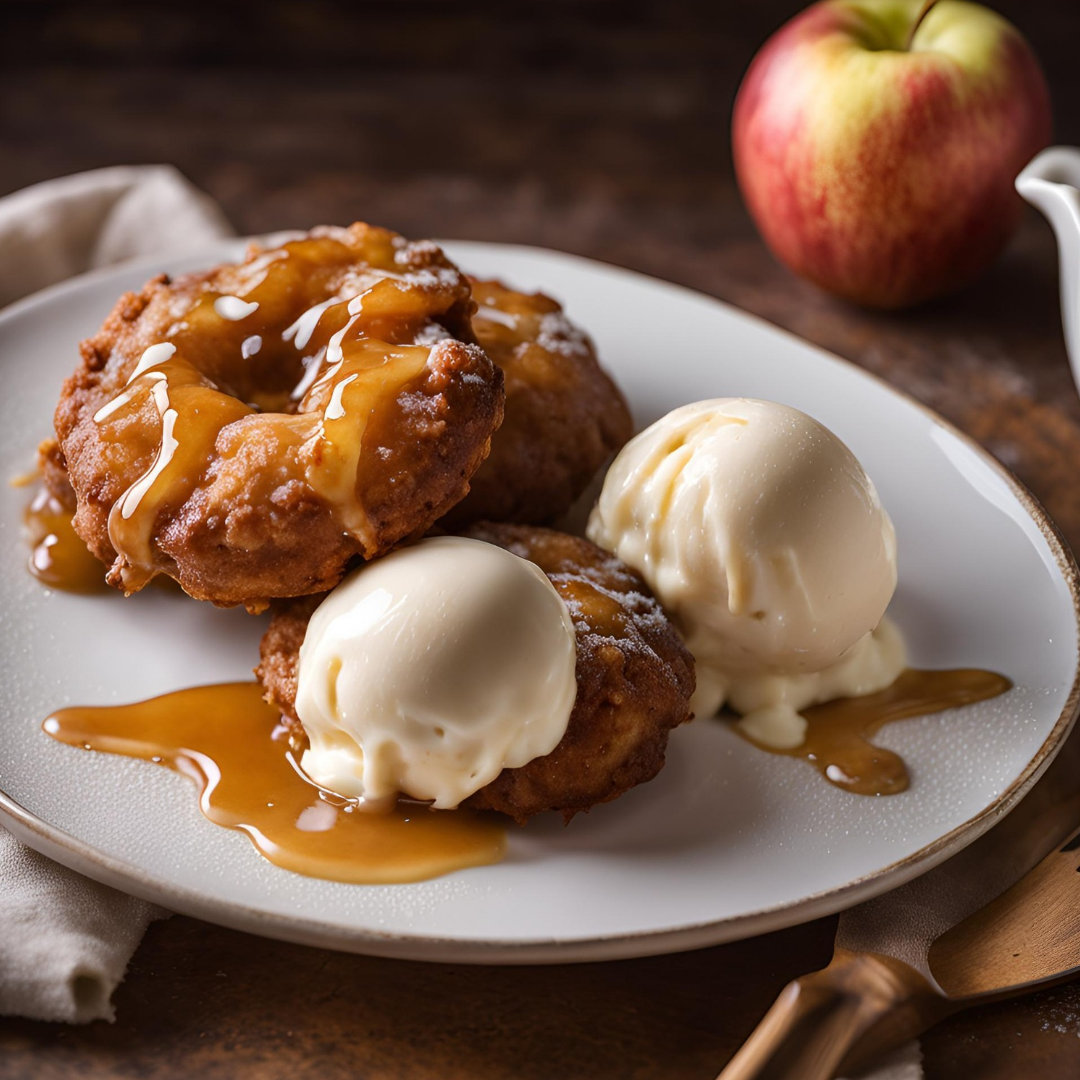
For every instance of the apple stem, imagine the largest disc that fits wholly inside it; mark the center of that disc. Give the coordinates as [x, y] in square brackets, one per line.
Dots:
[923, 12]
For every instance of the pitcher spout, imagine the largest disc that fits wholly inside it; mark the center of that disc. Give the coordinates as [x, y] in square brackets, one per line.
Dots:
[1051, 183]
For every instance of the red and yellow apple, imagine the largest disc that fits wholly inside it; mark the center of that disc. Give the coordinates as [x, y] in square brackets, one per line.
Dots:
[876, 143]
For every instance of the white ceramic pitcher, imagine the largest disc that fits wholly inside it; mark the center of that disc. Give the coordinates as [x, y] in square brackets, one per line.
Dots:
[1051, 182]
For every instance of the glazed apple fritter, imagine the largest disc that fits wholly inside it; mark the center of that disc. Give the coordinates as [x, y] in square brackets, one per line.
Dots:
[634, 678]
[250, 429]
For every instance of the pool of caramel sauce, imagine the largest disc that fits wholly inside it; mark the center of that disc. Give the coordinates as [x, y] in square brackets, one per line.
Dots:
[58, 557]
[234, 746]
[839, 733]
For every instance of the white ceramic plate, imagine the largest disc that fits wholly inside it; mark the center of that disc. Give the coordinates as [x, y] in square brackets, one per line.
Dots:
[728, 841]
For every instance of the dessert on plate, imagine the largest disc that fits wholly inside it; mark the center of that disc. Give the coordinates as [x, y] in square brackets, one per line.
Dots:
[765, 540]
[349, 430]
[452, 702]
[260, 431]
[250, 429]
[767, 543]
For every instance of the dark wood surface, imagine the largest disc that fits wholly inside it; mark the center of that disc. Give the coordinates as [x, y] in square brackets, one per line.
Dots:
[594, 127]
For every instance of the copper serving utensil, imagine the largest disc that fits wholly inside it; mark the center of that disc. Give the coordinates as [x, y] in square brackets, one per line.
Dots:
[908, 959]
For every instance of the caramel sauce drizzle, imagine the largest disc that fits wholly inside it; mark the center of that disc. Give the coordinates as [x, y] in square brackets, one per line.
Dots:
[58, 557]
[838, 735]
[191, 411]
[335, 364]
[233, 745]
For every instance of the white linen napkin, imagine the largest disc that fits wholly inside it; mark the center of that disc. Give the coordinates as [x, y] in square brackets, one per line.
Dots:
[63, 227]
[65, 941]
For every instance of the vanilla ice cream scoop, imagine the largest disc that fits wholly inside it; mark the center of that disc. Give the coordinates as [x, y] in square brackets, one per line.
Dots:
[765, 540]
[429, 671]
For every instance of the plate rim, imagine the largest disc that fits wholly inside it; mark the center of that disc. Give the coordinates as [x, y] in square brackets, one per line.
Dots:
[128, 877]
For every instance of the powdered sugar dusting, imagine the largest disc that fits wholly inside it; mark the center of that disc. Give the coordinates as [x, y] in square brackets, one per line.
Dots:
[559, 335]
[431, 333]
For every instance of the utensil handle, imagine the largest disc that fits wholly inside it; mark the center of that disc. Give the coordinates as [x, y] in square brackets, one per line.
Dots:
[859, 1006]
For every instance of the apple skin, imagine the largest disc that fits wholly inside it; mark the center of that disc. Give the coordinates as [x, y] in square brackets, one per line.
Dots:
[882, 173]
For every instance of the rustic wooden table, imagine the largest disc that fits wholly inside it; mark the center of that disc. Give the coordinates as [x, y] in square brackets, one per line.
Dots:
[593, 127]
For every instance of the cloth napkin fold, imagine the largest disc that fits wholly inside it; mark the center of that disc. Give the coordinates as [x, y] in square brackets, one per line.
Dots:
[63, 227]
[65, 941]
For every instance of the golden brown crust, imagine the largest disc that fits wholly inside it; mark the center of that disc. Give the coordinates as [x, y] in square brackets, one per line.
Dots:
[54, 473]
[634, 678]
[251, 525]
[564, 415]
[279, 651]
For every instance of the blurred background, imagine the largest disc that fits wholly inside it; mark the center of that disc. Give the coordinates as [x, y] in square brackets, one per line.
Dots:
[591, 126]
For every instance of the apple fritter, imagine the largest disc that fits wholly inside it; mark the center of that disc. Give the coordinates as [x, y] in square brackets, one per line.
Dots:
[249, 430]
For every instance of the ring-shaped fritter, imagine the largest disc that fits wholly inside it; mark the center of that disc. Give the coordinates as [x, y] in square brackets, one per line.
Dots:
[249, 430]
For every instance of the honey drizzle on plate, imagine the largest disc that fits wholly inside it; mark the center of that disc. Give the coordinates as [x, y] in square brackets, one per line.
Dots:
[236, 749]
[838, 733]
[58, 557]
